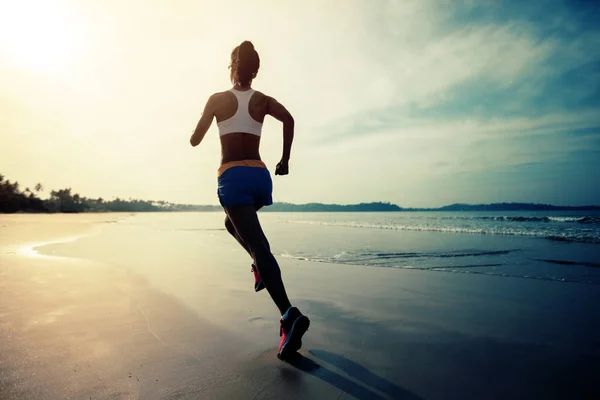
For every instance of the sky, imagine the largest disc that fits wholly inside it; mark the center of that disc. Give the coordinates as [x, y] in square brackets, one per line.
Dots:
[420, 103]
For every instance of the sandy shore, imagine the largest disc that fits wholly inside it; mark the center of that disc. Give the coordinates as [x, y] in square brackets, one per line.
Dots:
[73, 328]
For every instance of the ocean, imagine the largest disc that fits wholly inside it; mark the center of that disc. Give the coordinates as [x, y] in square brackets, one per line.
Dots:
[554, 246]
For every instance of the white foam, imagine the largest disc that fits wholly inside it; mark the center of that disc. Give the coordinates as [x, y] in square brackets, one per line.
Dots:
[572, 235]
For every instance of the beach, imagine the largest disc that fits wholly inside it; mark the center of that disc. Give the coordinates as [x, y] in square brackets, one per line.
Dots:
[161, 306]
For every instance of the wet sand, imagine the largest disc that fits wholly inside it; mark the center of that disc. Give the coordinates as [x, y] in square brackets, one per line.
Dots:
[73, 327]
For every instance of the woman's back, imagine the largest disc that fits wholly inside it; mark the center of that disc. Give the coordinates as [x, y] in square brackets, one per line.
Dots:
[239, 115]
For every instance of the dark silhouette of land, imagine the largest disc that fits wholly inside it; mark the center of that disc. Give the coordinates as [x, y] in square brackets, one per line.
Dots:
[12, 200]
[319, 207]
[387, 207]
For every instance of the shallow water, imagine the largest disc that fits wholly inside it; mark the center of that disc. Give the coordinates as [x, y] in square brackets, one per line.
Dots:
[552, 246]
[519, 245]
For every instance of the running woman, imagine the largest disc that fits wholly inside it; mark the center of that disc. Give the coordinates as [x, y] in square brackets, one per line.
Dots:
[244, 182]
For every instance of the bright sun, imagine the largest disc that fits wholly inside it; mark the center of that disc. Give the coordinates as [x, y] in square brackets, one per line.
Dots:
[37, 35]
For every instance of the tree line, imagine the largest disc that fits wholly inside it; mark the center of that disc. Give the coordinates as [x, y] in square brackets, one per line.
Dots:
[13, 199]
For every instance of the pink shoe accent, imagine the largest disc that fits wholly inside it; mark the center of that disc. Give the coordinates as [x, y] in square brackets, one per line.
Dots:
[258, 283]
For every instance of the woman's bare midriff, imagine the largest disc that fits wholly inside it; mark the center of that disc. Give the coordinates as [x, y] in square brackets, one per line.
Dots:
[239, 146]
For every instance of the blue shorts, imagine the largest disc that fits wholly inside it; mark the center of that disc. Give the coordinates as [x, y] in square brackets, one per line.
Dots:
[241, 185]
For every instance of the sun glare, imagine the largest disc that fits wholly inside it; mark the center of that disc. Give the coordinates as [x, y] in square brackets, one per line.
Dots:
[37, 35]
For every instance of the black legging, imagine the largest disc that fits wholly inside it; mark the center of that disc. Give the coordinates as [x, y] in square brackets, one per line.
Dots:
[243, 224]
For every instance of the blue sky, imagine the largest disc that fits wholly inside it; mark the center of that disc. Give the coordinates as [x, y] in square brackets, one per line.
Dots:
[421, 103]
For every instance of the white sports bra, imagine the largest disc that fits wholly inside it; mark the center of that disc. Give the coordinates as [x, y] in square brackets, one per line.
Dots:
[241, 120]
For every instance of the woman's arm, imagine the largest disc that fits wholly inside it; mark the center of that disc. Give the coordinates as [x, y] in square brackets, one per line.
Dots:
[279, 112]
[204, 123]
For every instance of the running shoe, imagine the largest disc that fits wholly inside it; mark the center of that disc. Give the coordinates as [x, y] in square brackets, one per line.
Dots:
[293, 326]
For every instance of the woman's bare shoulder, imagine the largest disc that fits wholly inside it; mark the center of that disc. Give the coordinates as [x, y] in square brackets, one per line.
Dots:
[263, 99]
[217, 99]
[219, 95]
[260, 94]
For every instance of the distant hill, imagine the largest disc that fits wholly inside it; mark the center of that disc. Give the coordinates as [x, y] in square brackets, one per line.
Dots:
[387, 207]
[319, 207]
[512, 207]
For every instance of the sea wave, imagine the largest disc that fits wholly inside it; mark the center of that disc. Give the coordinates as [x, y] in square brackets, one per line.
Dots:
[564, 235]
[391, 258]
[481, 265]
[511, 218]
